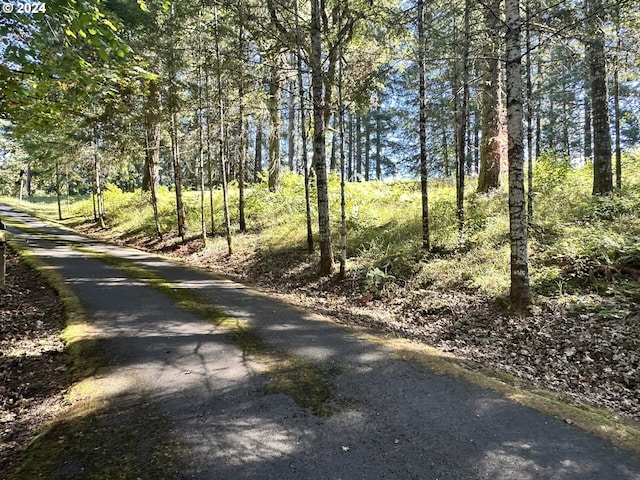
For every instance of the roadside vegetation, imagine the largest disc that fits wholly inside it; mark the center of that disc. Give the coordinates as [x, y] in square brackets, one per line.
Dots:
[580, 338]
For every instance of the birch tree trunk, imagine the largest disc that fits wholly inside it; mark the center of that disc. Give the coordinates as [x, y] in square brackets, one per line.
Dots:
[520, 290]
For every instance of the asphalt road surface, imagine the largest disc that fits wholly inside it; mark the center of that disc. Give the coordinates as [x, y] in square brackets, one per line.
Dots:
[397, 420]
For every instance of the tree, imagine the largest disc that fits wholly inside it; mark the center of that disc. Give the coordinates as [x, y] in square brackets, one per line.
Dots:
[424, 173]
[221, 131]
[490, 144]
[151, 171]
[303, 130]
[319, 138]
[602, 171]
[461, 117]
[520, 290]
[275, 97]
[242, 135]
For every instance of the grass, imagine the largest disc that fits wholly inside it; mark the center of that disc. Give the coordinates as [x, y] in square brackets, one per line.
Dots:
[94, 440]
[573, 233]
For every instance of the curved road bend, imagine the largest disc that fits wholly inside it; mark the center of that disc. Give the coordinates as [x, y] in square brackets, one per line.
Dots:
[402, 422]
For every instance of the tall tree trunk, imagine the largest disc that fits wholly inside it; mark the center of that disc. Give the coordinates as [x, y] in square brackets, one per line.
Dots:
[422, 93]
[343, 197]
[602, 171]
[152, 155]
[350, 151]
[242, 136]
[520, 290]
[175, 144]
[257, 160]
[529, 66]
[177, 174]
[22, 186]
[588, 129]
[291, 128]
[461, 120]
[242, 163]
[201, 115]
[538, 134]
[208, 121]
[378, 144]
[221, 135]
[566, 143]
[367, 147]
[445, 152]
[490, 148]
[616, 104]
[210, 170]
[275, 82]
[152, 137]
[58, 189]
[97, 170]
[303, 134]
[475, 146]
[319, 153]
[334, 147]
[28, 176]
[358, 147]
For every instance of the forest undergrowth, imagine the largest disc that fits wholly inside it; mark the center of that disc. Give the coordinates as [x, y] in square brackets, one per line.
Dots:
[580, 338]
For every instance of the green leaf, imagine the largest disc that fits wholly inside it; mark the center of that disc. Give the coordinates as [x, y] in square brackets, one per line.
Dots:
[109, 24]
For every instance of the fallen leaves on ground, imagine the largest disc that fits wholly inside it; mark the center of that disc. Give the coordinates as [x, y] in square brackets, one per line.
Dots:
[586, 346]
[32, 360]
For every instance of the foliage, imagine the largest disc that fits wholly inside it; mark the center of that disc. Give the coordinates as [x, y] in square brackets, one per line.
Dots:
[578, 240]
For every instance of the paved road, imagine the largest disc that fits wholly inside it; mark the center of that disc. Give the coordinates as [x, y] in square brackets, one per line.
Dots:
[402, 422]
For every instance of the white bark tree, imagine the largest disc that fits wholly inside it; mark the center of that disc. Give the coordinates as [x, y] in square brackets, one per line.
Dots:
[520, 289]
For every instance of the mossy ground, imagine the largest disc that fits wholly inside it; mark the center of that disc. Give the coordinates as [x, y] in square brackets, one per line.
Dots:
[102, 438]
